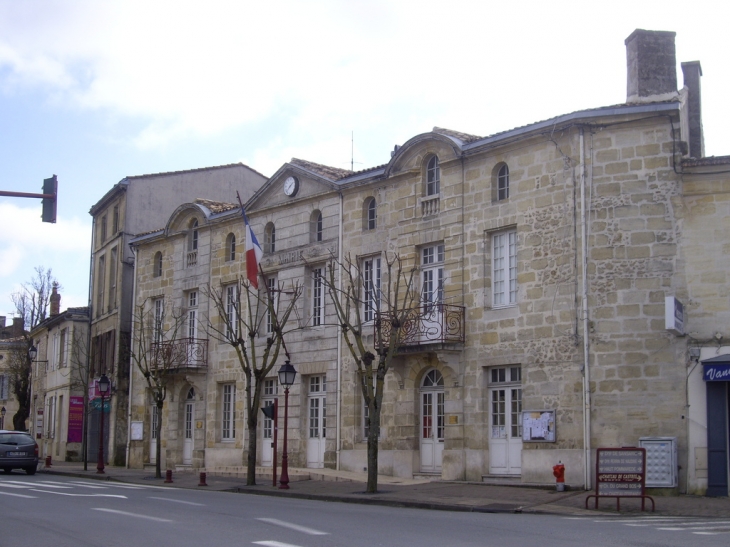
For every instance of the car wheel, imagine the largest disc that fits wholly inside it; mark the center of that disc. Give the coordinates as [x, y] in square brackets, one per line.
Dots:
[7, 470]
[30, 470]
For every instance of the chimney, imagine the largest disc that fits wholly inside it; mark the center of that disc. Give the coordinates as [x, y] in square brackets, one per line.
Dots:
[692, 72]
[55, 301]
[651, 65]
[18, 326]
[2, 321]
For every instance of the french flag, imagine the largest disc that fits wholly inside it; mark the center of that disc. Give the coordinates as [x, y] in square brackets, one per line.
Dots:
[253, 254]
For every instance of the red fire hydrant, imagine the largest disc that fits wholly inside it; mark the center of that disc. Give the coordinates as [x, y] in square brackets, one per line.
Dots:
[559, 472]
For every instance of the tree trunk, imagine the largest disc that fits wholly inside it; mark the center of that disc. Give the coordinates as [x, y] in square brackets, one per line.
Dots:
[158, 455]
[251, 461]
[19, 419]
[373, 434]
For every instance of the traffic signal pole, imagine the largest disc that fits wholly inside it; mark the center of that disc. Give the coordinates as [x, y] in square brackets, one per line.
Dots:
[49, 197]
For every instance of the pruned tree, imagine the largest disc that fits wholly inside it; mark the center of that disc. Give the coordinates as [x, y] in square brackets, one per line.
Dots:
[364, 299]
[31, 303]
[157, 350]
[79, 380]
[255, 328]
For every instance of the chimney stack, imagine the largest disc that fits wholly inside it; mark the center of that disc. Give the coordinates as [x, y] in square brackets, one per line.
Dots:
[692, 72]
[18, 326]
[55, 301]
[652, 66]
[2, 321]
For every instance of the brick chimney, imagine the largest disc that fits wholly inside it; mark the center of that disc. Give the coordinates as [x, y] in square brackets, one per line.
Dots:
[692, 72]
[18, 326]
[652, 66]
[55, 301]
[2, 321]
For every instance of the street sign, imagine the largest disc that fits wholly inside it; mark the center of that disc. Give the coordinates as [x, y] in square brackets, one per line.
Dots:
[95, 404]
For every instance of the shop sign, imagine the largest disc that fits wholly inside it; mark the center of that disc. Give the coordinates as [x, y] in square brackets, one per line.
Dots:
[719, 372]
[673, 315]
[75, 419]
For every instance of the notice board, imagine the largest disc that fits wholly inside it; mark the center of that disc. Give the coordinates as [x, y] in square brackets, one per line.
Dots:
[538, 426]
[620, 471]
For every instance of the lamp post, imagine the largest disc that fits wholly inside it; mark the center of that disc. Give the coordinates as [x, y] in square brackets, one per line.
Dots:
[103, 390]
[287, 373]
[2, 418]
[32, 352]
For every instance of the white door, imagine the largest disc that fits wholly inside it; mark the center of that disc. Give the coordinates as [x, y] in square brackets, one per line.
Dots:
[188, 428]
[317, 430]
[432, 422]
[267, 444]
[153, 434]
[192, 326]
[432, 293]
[505, 436]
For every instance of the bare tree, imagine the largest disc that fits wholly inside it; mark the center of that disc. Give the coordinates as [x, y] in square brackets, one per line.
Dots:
[263, 314]
[80, 379]
[157, 350]
[31, 303]
[387, 306]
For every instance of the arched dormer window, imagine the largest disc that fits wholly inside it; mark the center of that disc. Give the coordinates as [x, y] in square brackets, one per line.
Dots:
[270, 238]
[316, 227]
[500, 182]
[433, 177]
[370, 214]
[193, 235]
[230, 247]
[157, 265]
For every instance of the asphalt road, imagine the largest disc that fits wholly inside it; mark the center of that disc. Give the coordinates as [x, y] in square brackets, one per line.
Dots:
[40, 511]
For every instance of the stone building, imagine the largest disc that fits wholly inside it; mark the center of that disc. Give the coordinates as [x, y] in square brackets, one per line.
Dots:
[11, 342]
[135, 205]
[572, 296]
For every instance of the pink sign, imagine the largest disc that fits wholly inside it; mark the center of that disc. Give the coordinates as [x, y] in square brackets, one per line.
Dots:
[75, 419]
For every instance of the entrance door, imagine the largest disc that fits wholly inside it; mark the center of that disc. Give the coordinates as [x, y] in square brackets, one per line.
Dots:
[505, 436]
[153, 435]
[317, 431]
[432, 422]
[188, 427]
[432, 293]
[267, 444]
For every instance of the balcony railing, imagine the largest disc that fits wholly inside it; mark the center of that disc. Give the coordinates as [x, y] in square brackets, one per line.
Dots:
[427, 324]
[430, 205]
[183, 353]
[192, 259]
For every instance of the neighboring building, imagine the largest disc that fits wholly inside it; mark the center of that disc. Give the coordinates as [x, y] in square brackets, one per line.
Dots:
[11, 342]
[60, 378]
[553, 260]
[135, 205]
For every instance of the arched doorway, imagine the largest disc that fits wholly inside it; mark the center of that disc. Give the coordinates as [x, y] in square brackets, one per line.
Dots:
[432, 421]
[188, 418]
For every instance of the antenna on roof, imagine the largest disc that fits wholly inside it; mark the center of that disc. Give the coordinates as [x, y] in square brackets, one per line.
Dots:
[352, 151]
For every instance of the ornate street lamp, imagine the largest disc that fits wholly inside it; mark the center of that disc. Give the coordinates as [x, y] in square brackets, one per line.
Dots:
[103, 390]
[32, 352]
[287, 373]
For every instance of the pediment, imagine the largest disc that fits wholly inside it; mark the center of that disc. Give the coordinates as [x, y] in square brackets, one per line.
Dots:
[411, 155]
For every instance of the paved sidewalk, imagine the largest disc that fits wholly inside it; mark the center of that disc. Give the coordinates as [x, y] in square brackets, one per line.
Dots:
[418, 493]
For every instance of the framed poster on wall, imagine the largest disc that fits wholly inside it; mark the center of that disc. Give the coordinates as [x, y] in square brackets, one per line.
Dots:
[538, 426]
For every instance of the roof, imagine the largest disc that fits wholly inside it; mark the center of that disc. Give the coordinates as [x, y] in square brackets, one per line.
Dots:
[215, 207]
[464, 137]
[331, 173]
[196, 170]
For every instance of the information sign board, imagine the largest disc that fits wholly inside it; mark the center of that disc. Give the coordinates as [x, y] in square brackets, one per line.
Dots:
[620, 471]
[538, 426]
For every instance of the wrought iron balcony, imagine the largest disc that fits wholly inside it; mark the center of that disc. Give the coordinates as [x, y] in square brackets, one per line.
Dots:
[426, 325]
[185, 353]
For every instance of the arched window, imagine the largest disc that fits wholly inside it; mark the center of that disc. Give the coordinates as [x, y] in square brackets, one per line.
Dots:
[433, 177]
[503, 182]
[433, 379]
[191, 394]
[370, 214]
[316, 227]
[230, 247]
[270, 238]
[157, 267]
[193, 235]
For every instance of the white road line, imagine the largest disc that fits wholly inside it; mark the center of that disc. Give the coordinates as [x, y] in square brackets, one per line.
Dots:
[179, 501]
[115, 485]
[720, 528]
[17, 495]
[79, 495]
[698, 523]
[6, 485]
[126, 514]
[708, 533]
[36, 484]
[75, 484]
[274, 544]
[303, 529]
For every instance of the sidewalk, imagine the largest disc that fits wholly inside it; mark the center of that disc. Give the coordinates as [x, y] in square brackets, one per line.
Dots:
[348, 487]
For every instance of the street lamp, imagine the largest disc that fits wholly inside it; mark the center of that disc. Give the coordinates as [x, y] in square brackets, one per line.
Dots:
[2, 418]
[32, 352]
[287, 373]
[103, 390]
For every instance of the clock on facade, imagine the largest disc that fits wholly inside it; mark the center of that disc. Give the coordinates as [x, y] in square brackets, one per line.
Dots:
[291, 186]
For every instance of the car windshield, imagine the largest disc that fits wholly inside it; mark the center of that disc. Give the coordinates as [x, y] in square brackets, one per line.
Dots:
[15, 439]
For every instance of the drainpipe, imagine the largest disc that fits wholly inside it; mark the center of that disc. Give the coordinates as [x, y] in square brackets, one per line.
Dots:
[131, 367]
[584, 297]
[339, 341]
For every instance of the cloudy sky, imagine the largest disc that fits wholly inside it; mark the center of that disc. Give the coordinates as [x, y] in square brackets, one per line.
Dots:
[94, 91]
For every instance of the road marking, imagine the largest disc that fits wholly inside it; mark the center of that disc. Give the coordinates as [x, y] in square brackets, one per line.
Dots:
[79, 495]
[36, 484]
[126, 514]
[719, 528]
[18, 495]
[6, 485]
[274, 544]
[114, 485]
[303, 529]
[179, 501]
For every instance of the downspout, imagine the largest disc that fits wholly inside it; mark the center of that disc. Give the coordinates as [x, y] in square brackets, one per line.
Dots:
[131, 368]
[584, 297]
[339, 340]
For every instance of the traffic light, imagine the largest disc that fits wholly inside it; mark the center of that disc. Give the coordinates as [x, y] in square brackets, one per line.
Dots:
[50, 187]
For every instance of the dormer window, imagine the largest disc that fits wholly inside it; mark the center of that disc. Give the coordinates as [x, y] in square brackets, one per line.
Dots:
[230, 247]
[433, 177]
[370, 216]
[316, 226]
[270, 238]
[503, 183]
[193, 243]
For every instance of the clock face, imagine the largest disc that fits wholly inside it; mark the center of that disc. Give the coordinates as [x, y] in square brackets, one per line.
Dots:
[291, 186]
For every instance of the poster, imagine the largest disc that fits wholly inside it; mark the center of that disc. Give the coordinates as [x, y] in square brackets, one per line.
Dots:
[75, 419]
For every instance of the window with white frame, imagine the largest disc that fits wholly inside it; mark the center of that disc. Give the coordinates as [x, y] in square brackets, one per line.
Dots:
[432, 276]
[230, 247]
[4, 386]
[271, 299]
[505, 386]
[269, 394]
[270, 238]
[228, 422]
[503, 182]
[158, 317]
[192, 326]
[100, 278]
[112, 301]
[370, 287]
[317, 296]
[433, 177]
[63, 349]
[370, 214]
[317, 227]
[231, 307]
[157, 268]
[504, 268]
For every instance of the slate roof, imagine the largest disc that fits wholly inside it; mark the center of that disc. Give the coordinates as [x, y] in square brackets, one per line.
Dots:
[216, 207]
[463, 137]
[331, 173]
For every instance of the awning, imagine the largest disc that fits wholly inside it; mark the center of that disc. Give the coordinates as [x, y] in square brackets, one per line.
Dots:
[716, 369]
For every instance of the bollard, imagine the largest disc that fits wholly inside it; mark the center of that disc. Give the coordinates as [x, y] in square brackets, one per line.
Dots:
[168, 476]
[48, 462]
[559, 472]
[202, 480]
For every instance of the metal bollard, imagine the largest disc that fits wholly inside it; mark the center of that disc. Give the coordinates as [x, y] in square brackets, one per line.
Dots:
[202, 480]
[168, 476]
[48, 462]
